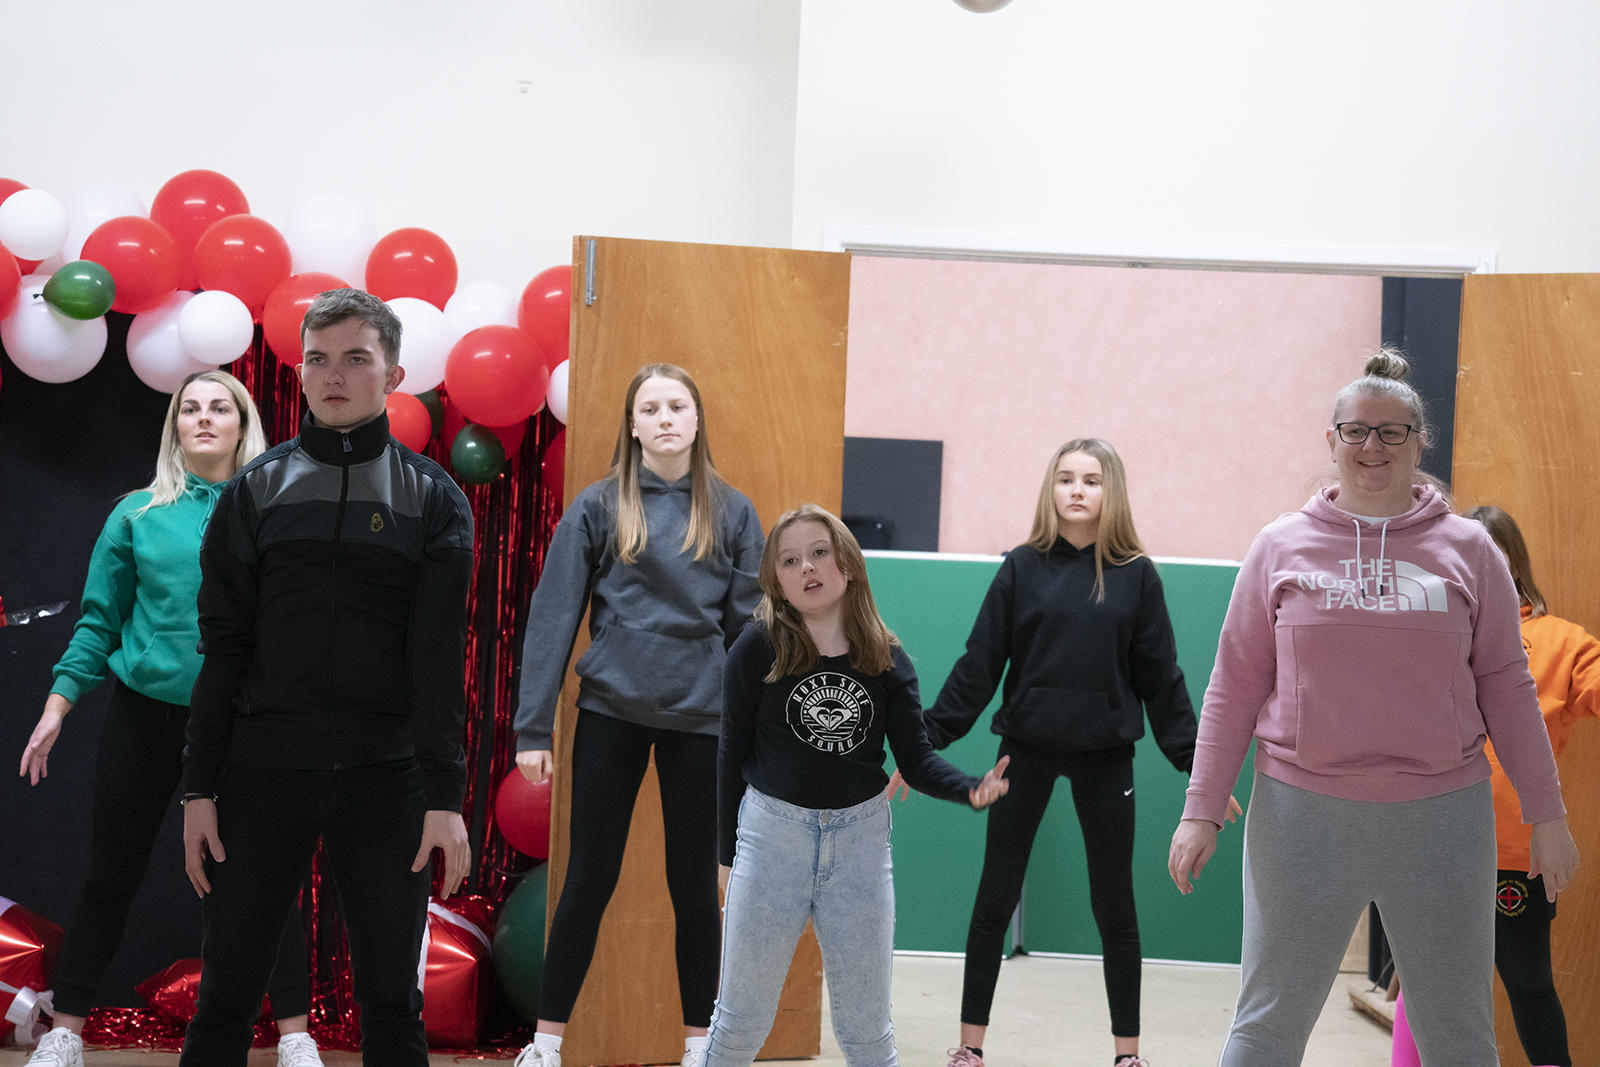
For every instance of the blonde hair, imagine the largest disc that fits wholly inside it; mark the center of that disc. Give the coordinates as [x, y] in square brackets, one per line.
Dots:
[706, 487]
[1386, 374]
[1503, 528]
[1116, 541]
[172, 468]
[871, 640]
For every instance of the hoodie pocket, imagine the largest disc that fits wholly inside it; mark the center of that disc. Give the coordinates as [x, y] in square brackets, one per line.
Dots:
[1385, 705]
[1076, 719]
[641, 671]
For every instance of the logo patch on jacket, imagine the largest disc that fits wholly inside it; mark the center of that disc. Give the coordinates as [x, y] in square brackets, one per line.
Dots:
[1378, 585]
[1511, 897]
[829, 711]
[377, 522]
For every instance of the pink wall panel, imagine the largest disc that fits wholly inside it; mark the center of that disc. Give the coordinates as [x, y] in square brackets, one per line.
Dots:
[1215, 387]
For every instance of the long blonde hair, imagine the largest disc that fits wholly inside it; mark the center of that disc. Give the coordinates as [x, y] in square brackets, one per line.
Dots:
[172, 468]
[1116, 541]
[871, 640]
[707, 490]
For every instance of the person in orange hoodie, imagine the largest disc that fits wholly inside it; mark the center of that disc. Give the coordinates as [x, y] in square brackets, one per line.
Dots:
[1565, 662]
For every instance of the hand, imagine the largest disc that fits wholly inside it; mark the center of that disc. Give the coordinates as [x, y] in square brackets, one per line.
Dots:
[446, 831]
[1554, 854]
[992, 788]
[1193, 845]
[896, 782]
[200, 837]
[723, 874]
[36, 756]
[536, 764]
[1234, 811]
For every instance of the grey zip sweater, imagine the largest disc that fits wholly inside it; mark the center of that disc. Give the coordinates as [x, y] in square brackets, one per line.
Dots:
[659, 628]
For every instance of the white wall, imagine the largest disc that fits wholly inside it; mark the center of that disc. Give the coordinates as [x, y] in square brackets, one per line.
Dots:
[669, 119]
[1371, 122]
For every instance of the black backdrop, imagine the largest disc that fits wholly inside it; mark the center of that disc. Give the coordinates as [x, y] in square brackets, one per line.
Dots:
[67, 453]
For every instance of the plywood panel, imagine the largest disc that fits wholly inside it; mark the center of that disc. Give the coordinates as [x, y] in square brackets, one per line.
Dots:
[1527, 440]
[763, 333]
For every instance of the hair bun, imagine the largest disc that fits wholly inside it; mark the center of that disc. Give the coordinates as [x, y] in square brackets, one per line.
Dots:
[1390, 364]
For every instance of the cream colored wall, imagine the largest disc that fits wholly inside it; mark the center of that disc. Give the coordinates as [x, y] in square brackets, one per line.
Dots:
[1215, 387]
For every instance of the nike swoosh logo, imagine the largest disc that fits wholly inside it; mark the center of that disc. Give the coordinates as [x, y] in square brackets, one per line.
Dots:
[1128, 791]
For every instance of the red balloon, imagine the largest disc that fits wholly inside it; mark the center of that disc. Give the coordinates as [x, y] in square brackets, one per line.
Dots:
[454, 422]
[553, 467]
[10, 281]
[142, 259]
[545, 312]
[187, 206]
[245, 256]
[409, 420]
[522, 811]
[496, 376]
[510, 437]
[9, 186]
[286, 310]
[412, 262]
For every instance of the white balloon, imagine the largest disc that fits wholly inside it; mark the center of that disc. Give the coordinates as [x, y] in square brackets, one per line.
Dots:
[47, 345]
[556, 395]
[50, 265]
[92, 203]
[33, 224]
[155, 351]
[425, 342]
[332, 234]
[480, 304]
[215, 328]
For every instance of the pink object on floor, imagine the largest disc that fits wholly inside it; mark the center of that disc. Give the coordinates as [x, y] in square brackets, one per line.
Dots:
[1404, 1051]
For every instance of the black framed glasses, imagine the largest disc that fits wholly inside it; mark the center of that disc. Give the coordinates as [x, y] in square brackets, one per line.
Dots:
[1390, 433]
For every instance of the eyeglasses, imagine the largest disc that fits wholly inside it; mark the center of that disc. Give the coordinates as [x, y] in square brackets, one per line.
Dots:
[1390, 433]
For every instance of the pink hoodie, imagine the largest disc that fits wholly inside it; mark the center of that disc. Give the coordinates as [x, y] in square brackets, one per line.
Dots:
[1369, 660]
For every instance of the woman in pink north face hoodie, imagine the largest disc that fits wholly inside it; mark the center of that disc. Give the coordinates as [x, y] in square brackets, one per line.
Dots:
[1371, 644]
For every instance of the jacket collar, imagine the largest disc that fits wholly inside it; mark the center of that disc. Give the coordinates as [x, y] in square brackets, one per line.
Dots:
[337, 448]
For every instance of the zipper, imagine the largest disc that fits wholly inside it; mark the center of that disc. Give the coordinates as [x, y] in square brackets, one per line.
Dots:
[333, 596]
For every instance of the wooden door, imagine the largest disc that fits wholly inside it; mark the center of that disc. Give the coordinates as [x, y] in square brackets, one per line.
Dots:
[762, 331]
[1527, 440]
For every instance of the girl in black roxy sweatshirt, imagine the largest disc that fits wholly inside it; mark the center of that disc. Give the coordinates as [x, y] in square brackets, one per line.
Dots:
[1079, 614]
[813, 689]
[664, 554]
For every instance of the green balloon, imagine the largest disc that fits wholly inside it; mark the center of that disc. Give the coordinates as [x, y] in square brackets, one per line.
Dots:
[82, 289]
[477, 455]
[435, 406]
[519, 942]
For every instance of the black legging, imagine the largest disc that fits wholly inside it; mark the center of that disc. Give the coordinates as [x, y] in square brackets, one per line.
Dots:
[137, 769]
[609, 757]
[1102, 792]
[1522, 919]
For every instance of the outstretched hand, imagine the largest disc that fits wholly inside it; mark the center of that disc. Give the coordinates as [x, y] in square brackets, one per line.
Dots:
[897, 783]
[36, 756]
[445, 831]
[1193, 845]
[992, 788]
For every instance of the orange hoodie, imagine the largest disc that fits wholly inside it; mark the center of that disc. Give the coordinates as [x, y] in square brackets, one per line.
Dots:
[1565, 662]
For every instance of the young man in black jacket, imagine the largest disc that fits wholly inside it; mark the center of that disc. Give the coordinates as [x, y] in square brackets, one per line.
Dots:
[333, 623]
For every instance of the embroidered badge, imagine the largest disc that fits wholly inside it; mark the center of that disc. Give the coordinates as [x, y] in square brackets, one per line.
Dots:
[831, 712]
[1511, 897]
[377, 522]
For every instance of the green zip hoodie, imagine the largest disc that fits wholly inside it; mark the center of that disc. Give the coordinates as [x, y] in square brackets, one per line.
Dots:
[139, 616]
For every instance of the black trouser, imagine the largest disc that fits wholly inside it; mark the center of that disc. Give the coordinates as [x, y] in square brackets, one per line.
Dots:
[1522, 917]
[137, 769]
[1102, 791]
[609, 757]
[370, 821]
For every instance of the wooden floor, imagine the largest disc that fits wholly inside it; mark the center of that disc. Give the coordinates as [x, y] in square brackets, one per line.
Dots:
[1048, 1013]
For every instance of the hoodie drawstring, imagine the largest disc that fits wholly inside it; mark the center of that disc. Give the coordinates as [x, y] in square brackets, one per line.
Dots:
[1383, 544]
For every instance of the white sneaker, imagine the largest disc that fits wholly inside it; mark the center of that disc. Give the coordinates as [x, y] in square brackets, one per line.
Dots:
[537, 1057]
[59, 1048]
[694, 1057]
[298, 1050]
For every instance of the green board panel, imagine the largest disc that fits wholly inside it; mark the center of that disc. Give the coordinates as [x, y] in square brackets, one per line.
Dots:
[930, 602]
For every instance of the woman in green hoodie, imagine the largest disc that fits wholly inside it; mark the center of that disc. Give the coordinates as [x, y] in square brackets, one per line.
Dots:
[139, 621]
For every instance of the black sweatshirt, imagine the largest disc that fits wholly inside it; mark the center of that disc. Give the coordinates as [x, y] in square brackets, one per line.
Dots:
[1083, 673]
[333, 614]
[815, 739]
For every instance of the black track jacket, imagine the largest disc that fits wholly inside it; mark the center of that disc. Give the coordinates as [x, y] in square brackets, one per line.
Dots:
[333, 614]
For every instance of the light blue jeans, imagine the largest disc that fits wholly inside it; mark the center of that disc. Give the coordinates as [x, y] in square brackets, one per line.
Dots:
[828, 865]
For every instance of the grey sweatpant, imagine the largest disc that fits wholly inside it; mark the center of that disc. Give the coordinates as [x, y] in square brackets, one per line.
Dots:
[1311, 864]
